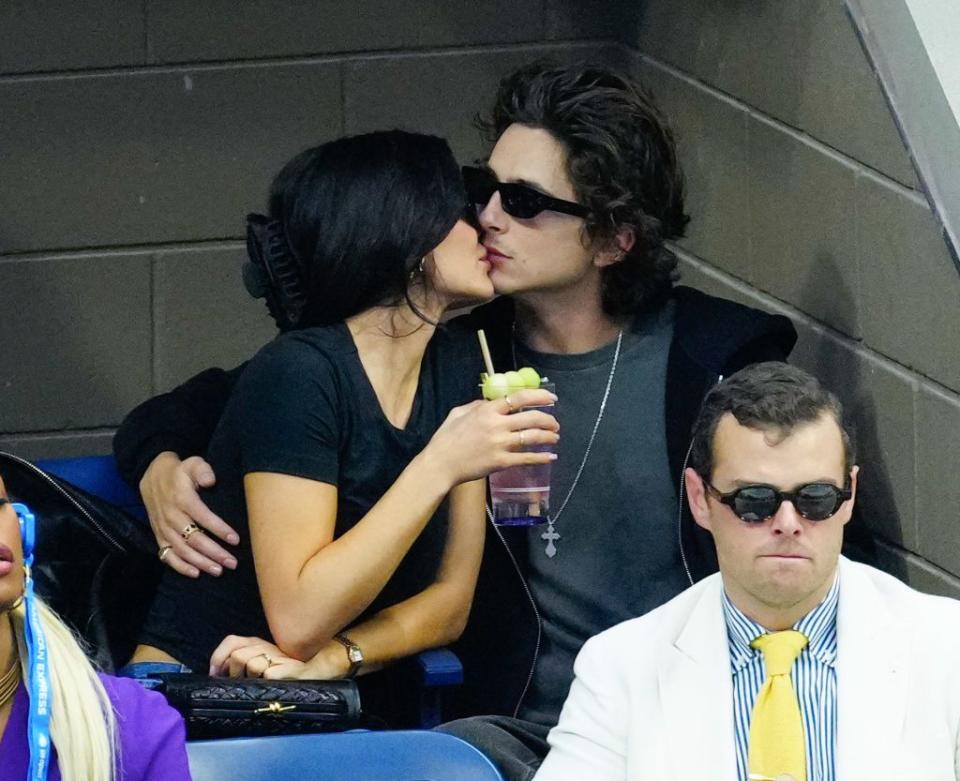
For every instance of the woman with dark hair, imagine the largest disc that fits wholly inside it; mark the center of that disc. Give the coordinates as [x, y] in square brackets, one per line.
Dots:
[342, 456]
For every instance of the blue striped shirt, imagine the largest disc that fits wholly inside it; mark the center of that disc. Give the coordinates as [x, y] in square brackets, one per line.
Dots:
[814, 677]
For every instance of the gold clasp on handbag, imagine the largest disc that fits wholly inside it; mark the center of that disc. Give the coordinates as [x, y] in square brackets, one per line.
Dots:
[275, 707]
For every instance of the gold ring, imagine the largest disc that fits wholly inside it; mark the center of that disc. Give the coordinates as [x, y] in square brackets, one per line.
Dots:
[509, 403]
[164, 550]
[189, 530]
[521, 439]
[270, 662]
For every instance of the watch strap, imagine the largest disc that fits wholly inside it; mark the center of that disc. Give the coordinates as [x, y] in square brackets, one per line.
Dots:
[354, 654]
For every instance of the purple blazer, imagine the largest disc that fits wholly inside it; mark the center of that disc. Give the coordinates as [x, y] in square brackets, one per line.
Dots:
[151, 736]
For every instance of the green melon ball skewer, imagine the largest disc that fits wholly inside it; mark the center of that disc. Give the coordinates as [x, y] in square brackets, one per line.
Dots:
[497, 385]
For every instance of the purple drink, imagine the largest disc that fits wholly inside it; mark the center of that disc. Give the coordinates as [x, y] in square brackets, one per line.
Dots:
[521, 494]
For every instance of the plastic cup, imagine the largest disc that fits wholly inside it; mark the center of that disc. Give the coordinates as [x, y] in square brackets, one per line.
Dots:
[520, 495]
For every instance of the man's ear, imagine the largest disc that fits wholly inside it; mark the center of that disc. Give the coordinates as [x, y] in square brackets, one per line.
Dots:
[697, 498]
[854, 473]
[619, 247]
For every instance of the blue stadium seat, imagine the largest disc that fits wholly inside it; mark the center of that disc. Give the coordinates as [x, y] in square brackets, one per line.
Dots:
[96, 475]
[345, 756]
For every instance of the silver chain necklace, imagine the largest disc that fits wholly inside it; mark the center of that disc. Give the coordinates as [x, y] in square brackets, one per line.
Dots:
[551, 535]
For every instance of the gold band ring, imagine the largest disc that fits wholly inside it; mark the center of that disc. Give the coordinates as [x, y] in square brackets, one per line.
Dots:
[164, 550]
[509, 403]
[270, 662]
[522, 441]
[189, 530]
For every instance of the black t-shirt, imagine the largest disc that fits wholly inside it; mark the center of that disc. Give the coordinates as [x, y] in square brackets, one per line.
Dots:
[305, 407]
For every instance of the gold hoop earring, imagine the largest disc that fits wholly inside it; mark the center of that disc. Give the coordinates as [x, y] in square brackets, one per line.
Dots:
[417, 271]
[19, 600]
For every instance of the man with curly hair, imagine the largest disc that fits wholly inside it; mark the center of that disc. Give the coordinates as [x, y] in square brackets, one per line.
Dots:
[580, 192]
[589, 300]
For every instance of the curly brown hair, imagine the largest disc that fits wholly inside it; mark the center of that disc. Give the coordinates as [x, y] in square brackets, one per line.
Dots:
[621, 160]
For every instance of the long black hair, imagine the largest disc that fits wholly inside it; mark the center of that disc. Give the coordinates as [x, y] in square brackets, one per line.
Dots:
[360, 213]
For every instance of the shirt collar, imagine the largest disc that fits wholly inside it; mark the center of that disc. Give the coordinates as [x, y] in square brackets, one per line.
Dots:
[819, 626]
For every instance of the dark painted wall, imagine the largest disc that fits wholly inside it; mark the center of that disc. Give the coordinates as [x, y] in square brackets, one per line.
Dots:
[805, 201]
[135, 135]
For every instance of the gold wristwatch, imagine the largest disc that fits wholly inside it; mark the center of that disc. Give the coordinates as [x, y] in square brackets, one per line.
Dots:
[354, 654]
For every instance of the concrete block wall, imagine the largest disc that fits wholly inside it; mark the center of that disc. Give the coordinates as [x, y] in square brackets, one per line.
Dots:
[804, 201]
[136, 134]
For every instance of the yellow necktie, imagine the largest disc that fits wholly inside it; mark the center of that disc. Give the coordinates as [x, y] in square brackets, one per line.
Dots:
[777, 747]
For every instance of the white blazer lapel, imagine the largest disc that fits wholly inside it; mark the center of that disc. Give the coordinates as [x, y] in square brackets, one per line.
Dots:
[696, 695]
[871, 681]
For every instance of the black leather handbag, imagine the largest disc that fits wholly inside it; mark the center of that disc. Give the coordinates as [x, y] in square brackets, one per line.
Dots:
[251, 707]
[95, 564]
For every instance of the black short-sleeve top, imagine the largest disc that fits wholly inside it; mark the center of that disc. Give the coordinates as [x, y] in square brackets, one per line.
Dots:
[305, 407]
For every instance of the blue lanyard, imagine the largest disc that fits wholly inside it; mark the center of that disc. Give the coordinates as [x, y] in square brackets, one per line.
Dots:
[38, 684]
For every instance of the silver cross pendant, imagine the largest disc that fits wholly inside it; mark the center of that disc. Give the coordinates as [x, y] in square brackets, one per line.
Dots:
[550, 535]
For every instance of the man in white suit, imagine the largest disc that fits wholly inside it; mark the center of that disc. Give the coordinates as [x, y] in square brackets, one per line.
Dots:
[687, 691]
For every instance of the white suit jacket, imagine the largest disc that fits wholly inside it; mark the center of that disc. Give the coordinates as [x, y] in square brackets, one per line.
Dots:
[653, 698]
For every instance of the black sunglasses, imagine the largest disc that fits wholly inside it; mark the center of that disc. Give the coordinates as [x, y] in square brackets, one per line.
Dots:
[517, 200]
[756, 503]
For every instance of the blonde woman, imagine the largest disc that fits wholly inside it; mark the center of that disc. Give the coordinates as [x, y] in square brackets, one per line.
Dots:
[59, 718]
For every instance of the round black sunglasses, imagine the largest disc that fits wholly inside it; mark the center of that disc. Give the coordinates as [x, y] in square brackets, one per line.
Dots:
[756, 503]
[518, 200]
